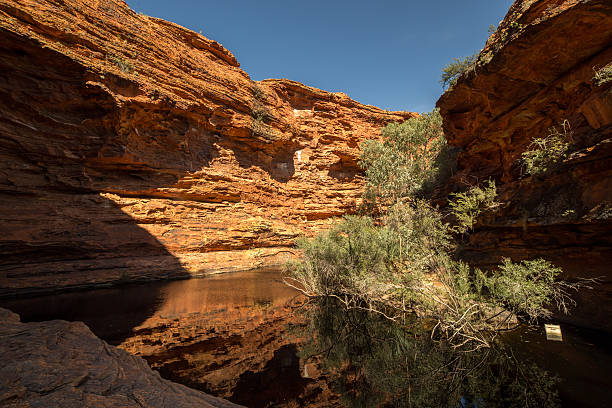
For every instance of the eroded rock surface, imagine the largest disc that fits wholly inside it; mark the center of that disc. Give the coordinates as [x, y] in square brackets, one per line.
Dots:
[132, 149]
[535, 72]
[62, 364]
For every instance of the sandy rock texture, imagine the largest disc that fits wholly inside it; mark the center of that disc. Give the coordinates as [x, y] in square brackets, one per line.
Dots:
[62, 364]
[537, 71]
[134, 149]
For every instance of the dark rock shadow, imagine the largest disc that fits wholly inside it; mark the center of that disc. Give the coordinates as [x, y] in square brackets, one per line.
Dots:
[110, 313]
[279, 381]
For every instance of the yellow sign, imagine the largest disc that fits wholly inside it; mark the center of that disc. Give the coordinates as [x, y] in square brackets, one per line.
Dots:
[553, 332]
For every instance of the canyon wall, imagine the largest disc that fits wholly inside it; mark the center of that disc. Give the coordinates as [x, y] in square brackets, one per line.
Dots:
[134, 149]
[537, 71]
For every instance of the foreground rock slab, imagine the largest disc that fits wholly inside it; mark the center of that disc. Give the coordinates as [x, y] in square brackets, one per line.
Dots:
[62, 364]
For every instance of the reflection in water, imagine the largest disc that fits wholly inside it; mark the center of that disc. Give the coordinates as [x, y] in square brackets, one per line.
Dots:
[114, 313]
[374, 362]
[109, 313]
[239, 336]
[232, 293]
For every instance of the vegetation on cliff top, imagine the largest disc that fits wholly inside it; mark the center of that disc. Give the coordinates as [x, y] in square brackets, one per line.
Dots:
[452, 71]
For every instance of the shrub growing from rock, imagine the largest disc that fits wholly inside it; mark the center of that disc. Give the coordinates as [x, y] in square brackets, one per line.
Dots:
[452, 71]
[545, 153]
[399, 264]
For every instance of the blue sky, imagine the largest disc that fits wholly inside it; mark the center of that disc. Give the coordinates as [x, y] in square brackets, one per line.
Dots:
[384, 53]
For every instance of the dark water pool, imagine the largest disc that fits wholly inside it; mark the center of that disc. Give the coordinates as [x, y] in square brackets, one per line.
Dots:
[113, 313]
[219, 332]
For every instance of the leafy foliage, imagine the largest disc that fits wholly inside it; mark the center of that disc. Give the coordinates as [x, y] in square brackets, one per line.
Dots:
[467, 206]
[400, 264]
[452, 71]
[407, 160]
[603, 75]
[366, 264]
[526, 287]
[545, 153]
[403, 267]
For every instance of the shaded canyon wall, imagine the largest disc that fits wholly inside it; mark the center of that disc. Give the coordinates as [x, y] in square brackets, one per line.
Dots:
[537, 71]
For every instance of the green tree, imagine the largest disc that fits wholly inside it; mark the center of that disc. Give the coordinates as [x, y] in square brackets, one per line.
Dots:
[452, 71]
[545, 153]
[467, 206]
[398, 263]
[407, 160]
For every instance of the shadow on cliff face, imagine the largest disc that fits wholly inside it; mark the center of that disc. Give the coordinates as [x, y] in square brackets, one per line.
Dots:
[57, 231]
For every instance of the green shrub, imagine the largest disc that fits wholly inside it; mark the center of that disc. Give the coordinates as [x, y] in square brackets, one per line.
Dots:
[352, 259]
[525, 288]
[400, 264]
[371, 265]
[407, 159]
[403, 267]
[452, 71]
[545, 153]
[466, 207]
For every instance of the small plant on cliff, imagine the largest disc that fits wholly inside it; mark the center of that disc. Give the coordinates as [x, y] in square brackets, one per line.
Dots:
[603, 75]
[545, 153]
[261, 115]
[123, 65]
[452, 71]
[467, 206]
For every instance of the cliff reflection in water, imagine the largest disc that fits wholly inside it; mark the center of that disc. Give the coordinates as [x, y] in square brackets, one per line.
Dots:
[232, 293]
[251, 339]
[373, 362]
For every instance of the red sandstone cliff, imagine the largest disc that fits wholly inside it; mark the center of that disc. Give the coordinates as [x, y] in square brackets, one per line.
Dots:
[133, 148]
[536, 71]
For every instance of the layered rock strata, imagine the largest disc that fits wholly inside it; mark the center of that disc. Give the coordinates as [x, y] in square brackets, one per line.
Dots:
[62, 364]
[134, 149]
[544, 67]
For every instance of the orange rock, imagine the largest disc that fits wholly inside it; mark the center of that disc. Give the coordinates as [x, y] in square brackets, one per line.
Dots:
[135, 149]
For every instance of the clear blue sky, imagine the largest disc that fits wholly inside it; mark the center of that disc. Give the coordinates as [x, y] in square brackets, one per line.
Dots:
[387, 53]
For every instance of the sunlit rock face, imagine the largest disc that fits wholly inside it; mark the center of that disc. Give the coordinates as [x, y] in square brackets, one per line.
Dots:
[134, 149]
[62, 364]
[537, 71]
